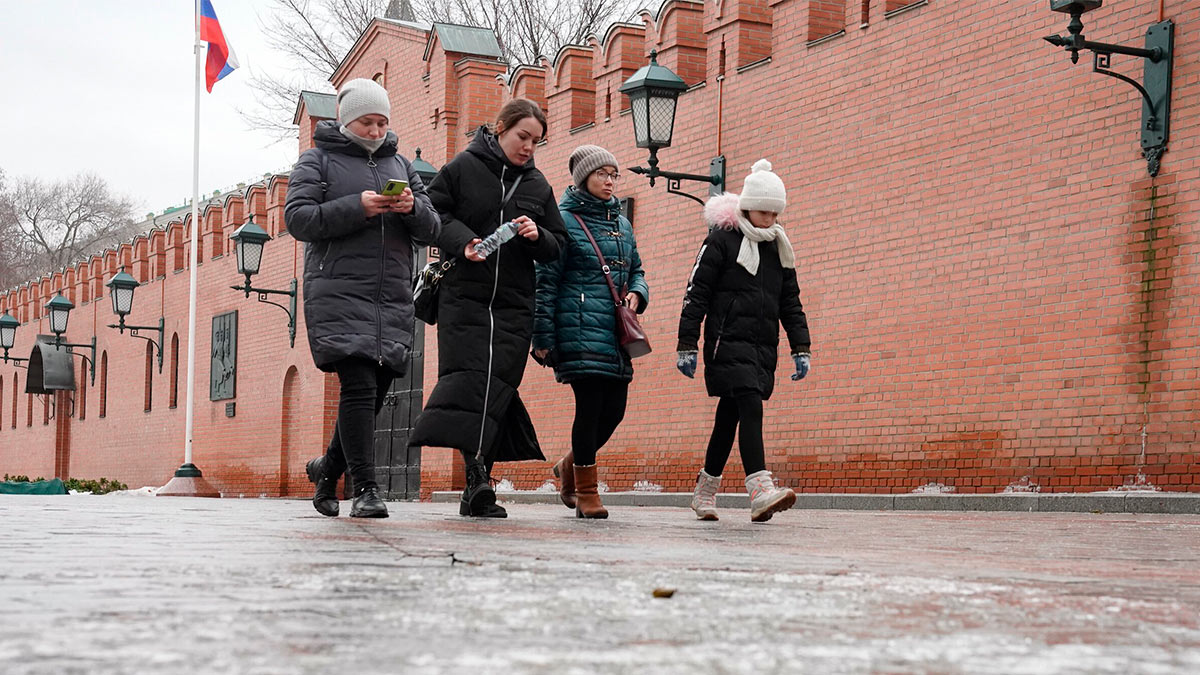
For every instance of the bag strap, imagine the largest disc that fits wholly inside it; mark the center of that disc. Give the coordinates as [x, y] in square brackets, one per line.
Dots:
[512, 189]
[324, 171]
[603, 263]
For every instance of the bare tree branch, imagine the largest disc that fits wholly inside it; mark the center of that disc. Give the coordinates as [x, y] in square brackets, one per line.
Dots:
[46, 227]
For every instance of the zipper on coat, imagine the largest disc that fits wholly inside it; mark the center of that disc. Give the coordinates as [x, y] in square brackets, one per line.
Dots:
[487, 388]
[382, 263]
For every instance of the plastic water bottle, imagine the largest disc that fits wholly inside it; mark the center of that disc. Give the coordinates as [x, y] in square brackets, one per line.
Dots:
[493, 241]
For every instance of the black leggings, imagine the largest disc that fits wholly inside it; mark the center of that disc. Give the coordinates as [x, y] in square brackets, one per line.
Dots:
[599, 408]
[364, 386]
[746, 409]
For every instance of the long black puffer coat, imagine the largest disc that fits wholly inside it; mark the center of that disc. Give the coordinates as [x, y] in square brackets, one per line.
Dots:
[357, 270]
[485, 310]
[741, 315]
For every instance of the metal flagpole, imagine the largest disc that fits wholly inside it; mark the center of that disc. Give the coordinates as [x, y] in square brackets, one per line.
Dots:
[188, 480]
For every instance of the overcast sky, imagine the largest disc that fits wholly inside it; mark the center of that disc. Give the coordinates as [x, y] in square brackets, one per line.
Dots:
[106, 86]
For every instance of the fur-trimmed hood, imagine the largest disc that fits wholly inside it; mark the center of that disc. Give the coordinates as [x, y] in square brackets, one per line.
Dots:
[722, 211]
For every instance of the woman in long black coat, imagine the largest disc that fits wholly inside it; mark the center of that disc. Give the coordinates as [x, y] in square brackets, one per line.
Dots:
[485, 306]
[357, 277]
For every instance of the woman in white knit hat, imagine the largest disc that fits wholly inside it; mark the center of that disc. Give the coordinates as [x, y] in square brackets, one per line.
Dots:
[743, 286]
[357, 277]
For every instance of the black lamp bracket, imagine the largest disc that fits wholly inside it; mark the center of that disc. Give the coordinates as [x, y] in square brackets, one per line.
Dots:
[133, 330]
[263, 293]
[15, 360]
[715, 177]
[72, 346]
[1155, 88]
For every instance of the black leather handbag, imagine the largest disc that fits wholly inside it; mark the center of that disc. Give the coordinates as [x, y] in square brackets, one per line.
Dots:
[425, 293]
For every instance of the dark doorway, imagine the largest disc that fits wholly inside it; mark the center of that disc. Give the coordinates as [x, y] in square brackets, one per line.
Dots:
[397, 466]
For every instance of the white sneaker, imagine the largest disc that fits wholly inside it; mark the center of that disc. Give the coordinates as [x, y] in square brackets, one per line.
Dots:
[704, 498]
[765, 499]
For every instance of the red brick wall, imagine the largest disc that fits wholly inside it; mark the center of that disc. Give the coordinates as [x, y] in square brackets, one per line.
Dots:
[995, 287]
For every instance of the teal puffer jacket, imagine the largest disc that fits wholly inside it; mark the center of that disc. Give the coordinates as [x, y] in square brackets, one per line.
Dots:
[574, 317]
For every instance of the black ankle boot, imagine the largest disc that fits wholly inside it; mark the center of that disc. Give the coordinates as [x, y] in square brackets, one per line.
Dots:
[368, 504]
[325, 499]
[479, 499]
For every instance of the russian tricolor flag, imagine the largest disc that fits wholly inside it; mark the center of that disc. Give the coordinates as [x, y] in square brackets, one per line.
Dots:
[221, 60]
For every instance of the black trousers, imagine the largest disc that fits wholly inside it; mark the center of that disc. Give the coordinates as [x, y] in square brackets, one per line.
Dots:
[599, 409]
[364, 386]
[745, 410]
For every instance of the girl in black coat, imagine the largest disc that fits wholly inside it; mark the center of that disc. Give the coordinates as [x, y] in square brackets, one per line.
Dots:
[485, 305]
[357, 277]
[742, 287]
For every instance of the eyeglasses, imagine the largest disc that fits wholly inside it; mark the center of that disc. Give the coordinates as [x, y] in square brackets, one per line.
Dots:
[605, 176]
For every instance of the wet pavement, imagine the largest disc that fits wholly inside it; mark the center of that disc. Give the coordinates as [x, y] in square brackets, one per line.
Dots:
[126, 584]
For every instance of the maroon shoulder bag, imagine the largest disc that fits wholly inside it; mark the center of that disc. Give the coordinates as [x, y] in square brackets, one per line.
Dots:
[629, 330]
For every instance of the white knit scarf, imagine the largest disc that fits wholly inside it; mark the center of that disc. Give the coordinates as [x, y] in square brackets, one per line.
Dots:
[751, 236]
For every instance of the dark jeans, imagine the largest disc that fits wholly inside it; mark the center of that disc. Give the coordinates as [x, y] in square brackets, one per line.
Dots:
[364, 386]
[599, 408]
[746, 410]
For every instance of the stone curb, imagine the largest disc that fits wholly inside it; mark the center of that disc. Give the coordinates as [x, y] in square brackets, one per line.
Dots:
[1087, 502]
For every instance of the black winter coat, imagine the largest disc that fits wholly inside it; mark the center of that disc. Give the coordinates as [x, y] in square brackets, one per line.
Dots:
[357, 270]
[485, 310]
[741, 315]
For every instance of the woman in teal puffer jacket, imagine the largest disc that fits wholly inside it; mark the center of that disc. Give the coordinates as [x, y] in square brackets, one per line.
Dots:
[575, 320]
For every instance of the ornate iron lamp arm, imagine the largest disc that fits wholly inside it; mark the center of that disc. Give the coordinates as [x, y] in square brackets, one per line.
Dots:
[262, 297]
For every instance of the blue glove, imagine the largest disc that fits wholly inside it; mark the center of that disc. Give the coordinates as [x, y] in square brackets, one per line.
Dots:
[802, 362]
[686, 363]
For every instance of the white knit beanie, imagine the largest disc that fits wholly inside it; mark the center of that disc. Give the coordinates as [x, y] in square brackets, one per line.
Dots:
[762, 190]
[362, 97]
[586, 159]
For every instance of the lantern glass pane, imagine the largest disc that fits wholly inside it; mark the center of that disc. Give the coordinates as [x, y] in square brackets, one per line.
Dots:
[641, 127]
[250, 257]
[662, 119]
[58, 320]
[122, 299]
[8, 336]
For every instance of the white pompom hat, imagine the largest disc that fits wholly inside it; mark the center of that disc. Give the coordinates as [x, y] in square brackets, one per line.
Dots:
[762, 190]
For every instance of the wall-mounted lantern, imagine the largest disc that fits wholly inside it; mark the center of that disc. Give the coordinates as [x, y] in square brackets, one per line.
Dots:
[250, 239]
[653, 94]
[424, 169]
[8, 337]
[1157, 60]
[59, 311]
[122, 286]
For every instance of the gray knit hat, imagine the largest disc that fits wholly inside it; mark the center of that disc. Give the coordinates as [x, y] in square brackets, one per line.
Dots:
[586, 159]
[362, 97]
[762, 190]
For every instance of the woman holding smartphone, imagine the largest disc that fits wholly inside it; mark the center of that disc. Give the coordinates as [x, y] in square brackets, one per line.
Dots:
[485, 305]
[357, 277]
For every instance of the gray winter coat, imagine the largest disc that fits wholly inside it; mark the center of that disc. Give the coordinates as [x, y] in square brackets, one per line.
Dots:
[357, 271]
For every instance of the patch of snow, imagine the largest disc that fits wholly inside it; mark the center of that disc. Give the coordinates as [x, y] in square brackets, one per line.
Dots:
[548, 486]
[144, 491]
[505, 485]
[933, 489]
[646, 486]
[1022, 485]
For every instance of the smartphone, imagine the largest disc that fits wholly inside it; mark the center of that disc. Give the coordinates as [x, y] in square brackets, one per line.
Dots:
[394, 188]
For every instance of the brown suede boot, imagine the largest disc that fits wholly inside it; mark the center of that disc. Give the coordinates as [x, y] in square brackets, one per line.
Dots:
[587, 498]
[566, 475]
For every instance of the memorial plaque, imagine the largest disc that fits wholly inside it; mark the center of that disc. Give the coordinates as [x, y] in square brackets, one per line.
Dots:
[223, 373]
